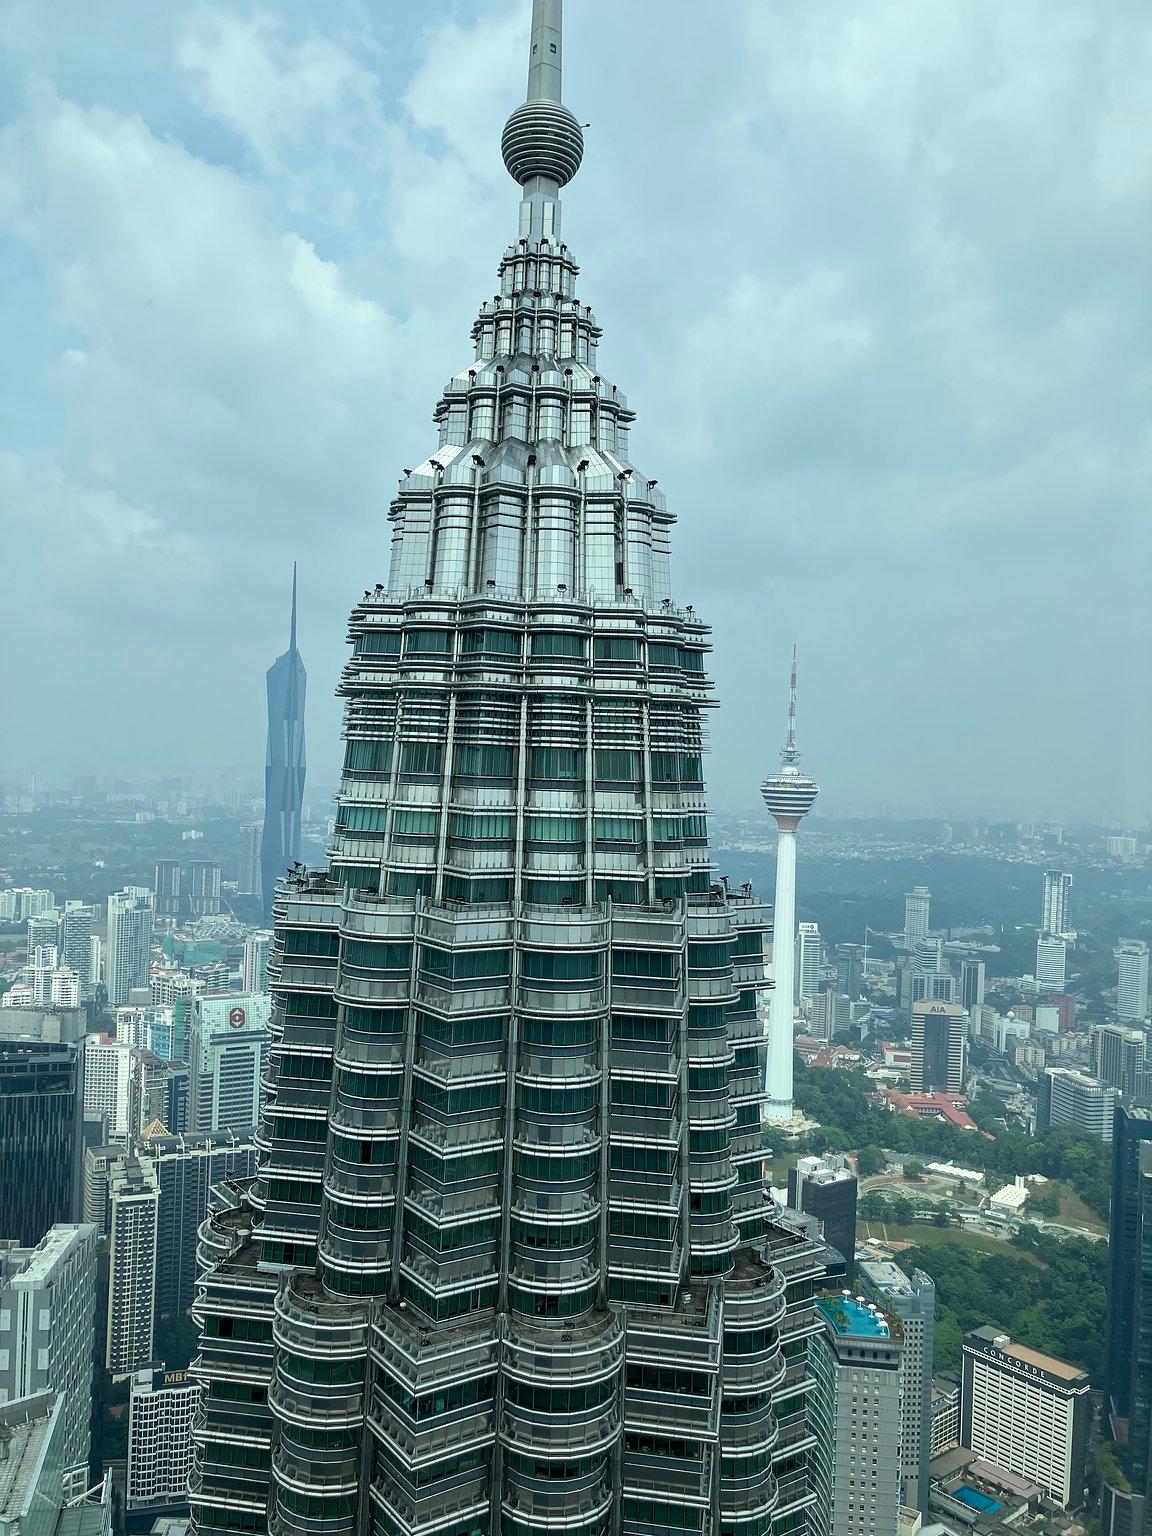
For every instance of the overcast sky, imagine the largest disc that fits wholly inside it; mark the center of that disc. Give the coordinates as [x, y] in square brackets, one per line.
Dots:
[874, 273]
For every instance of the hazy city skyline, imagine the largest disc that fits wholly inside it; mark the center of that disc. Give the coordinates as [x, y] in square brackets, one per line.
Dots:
[890, 374]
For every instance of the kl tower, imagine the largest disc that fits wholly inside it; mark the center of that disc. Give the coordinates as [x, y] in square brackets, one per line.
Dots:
[789, 795]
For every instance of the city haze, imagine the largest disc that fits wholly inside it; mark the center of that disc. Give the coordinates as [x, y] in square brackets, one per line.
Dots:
[873, 276]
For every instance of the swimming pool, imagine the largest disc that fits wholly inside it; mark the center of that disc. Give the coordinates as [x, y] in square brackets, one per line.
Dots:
[977, 1500]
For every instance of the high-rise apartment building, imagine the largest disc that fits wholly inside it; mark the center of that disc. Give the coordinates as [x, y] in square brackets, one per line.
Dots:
[809, 960]
[939, 1046]
[19, 904]
[187, 1168]
[202, 878]
[129, 958]
[850, 960]
[507, 1262]
[1054, 916]
[911, 1298]
[1119, 1055]
[827, 1188]
[109, 1070]
[1026, 1412]
[916, 906]
[1132, 980]
[133, 1205]
[42, 1134]
[161, 1408]
[257, 948]
[228, 1042]
[169, 884]
[1051, 961]
[1076, 1099]
[249, 881]
[855, 1408]
[44, 933]
[285, 766]
[47, 1333]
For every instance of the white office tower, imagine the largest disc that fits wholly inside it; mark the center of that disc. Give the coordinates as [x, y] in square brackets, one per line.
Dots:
[228, 1052]
[129, 959]
[855, 1413]
[916, 905]
[911, 1298]
[47, 1333]
[133, 1203]
[1057, 892]
[108, 1068]
[789, 795]
[1076, 1099]
[251, 837]
[96, 961]
[256, 950]
[161, 1408]
[1132, 979]
[1051, 962]
[65, 989]
[809, 961]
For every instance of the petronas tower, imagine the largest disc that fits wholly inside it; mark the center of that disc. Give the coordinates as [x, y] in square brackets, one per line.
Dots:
[508, 1267]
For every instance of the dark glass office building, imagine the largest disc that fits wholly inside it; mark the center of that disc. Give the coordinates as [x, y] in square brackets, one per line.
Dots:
[284, 765]
[1128, 1361]
[507, 1264]
[41, 1132]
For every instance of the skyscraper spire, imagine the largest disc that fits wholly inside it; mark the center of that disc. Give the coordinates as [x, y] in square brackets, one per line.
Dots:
[285, 764]
[543, 143]
[292, 636]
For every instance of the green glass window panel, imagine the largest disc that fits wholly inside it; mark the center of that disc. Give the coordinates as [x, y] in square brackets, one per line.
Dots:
[615, 648]
[560, 965]
[630, 892]
[618, 829]
[696, 827]
[362, 818]
[357, 877]
[360, 1218]
[491, 642]
[309, 1005]
[662, 655]
[370, 1085]
[296, 1128]
[708, 1141]
[632, 1159]
[667, 829]
[708, 1079]
[543, 1168]
[559, 1032]
[473, 1033]
[466, 965]
[559, 643]
[642, 1093]
[311, 943]
[709, 957]
[374, 757]
[362, 1153]
[401, 883]
[641, 1224]
[492, 888]
[295, 1191]
[691, 768]
[377, 955]
[485, 762]
[559, 764]
[553, 893]
[471, 1098]
[647, 964]
[423, 757]
[480, 829]
[665, 767]
[630, 1029]
[453, 1171]
[379, 642]
[559, 1100]
[750, 943]
[554, 829]
[376, 1021]
[690, 660]
[615, 766]
[429, 642]
[417, 823]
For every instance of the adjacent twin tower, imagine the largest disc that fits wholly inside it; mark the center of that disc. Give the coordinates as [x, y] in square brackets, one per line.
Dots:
[508, 1267]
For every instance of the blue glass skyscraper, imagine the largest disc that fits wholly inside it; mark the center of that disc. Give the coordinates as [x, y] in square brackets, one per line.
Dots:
[284, 764]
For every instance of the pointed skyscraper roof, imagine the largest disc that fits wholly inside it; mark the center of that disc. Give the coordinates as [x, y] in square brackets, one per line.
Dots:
[292, 636]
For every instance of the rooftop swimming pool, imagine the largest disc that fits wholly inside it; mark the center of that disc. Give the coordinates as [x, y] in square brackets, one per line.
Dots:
[983, 1502]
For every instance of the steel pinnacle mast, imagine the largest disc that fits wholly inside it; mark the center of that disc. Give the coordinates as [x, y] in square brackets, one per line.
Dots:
[507, 1267]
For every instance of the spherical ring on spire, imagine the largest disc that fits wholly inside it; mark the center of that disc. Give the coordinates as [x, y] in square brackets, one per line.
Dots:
[542, 138]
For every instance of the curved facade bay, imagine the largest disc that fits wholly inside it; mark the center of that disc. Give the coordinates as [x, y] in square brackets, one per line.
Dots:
[508, 1265]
